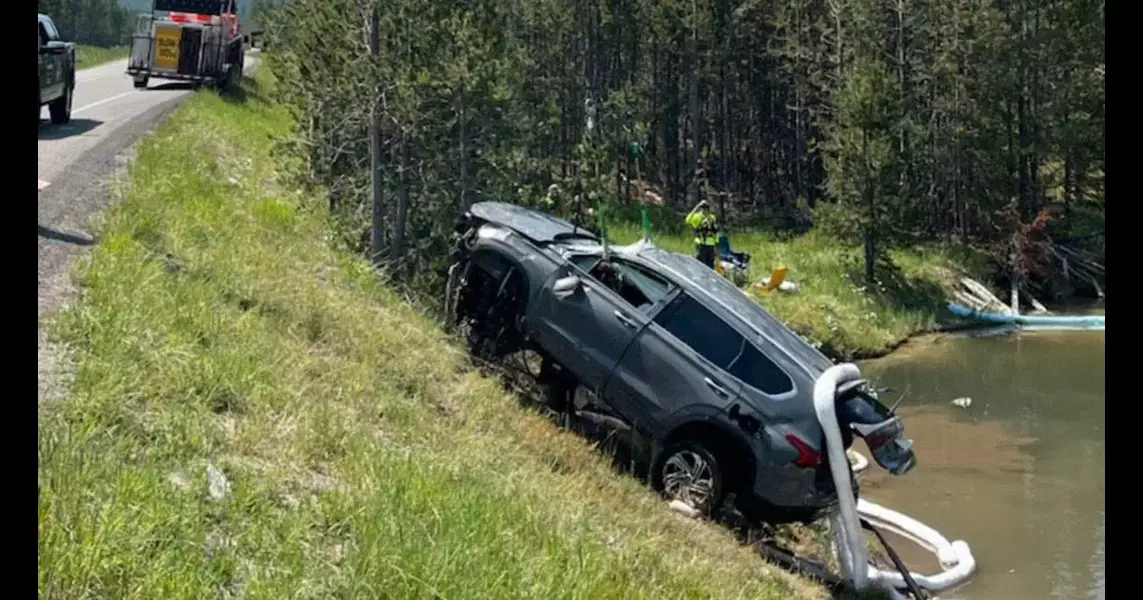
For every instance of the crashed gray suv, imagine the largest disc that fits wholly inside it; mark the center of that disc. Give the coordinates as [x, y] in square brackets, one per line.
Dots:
[714, 391]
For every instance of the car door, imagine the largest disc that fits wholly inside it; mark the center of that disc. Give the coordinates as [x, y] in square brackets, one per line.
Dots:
[45, 65]
[677, 363]
[586, 328]
[51, 71]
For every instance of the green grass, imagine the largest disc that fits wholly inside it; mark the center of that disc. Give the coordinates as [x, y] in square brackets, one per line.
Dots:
[832, 306]
[365, 460]
[91, 56]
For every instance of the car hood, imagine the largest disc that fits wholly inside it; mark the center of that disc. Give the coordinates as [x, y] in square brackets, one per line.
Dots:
[537, 226]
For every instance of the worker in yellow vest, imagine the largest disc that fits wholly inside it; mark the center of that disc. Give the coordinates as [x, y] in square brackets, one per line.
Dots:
[702, 221]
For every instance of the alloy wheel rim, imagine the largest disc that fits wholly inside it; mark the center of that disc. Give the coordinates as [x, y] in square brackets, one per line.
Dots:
[689, 478]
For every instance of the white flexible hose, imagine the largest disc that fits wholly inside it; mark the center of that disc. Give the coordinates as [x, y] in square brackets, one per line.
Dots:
[956, 559]
[852, 553]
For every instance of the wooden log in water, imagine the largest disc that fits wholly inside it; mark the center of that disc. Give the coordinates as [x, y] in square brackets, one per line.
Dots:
[1037, 308]
[984, 295]
[969, 300]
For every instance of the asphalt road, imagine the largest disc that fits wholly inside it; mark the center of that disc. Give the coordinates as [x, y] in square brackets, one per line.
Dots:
[78, 159]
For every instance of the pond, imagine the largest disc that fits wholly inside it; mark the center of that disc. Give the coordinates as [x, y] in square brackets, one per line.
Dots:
[1019, 474]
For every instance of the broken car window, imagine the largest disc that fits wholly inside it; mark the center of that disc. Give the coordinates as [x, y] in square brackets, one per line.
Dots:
[702, 330]
[653, 287]
[639, 287]
[585, 261]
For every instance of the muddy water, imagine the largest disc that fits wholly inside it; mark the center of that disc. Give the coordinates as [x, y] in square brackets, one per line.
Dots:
[1018, 474]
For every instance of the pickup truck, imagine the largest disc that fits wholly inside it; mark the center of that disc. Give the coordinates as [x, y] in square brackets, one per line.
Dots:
[57, 72]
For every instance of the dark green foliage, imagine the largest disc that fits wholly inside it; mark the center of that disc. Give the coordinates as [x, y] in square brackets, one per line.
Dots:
[887, 121]
[92, 22]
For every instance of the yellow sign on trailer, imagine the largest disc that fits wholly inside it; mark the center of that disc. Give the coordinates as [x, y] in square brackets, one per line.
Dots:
[167, 47]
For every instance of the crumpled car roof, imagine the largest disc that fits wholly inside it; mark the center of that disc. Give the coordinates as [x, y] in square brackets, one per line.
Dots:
[532, 224]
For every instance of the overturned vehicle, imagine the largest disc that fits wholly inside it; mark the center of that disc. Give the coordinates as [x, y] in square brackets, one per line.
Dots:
[712, 390]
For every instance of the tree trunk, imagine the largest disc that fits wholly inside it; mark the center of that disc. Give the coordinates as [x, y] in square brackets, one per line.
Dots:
[1014, 283]
[905, 181]
[464, 200]
[871, 222]
[377, 202]
[397, 247]
[693, 107]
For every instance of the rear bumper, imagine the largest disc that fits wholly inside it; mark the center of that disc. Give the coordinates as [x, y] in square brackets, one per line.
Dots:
[799, 492]
[163, 74]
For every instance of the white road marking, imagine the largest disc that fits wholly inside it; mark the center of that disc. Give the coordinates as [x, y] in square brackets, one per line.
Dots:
[103, 101]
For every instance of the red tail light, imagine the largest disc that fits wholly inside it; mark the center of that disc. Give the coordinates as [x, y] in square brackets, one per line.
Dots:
[877, 440]
[807, 458]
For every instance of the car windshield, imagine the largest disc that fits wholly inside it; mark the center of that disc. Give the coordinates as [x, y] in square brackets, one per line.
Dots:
[739, 303]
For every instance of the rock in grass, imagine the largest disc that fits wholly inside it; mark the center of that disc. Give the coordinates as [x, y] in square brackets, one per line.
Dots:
[217, 484]
[683, 508]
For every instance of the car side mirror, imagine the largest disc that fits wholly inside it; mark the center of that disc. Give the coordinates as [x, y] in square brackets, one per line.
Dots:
[565, 287]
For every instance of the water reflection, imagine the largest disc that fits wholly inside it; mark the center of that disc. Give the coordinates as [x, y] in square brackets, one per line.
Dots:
[1019, 474]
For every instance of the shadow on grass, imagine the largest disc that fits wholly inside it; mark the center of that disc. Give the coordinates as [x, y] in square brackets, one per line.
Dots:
[249, 90]
[895, 289]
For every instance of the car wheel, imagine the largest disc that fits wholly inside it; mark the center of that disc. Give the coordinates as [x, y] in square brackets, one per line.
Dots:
[692, 474]
[60, 108]
[141, 82]
[232, 80]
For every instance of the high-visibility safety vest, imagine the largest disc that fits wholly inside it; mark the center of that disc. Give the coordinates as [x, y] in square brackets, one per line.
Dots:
[703, 223]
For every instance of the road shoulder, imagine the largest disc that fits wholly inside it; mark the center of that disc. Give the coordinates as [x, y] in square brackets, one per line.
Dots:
[67, 209]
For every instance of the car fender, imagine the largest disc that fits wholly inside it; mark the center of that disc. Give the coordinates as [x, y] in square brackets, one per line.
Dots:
[538, 267]
[705, 414]
[534, 262]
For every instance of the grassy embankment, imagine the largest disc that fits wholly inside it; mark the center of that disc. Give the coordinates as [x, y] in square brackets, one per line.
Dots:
[218, 329]
[832, 306]
[91, 56]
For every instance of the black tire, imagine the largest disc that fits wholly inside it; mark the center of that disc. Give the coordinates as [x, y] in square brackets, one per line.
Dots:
[60, 108]
[231, 80]
[678, 474]
[141, 84]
